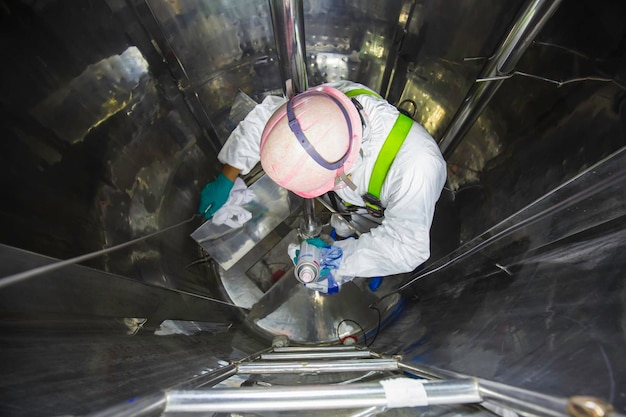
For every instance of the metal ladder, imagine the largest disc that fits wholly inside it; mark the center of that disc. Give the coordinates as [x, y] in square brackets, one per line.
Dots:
[359, 379]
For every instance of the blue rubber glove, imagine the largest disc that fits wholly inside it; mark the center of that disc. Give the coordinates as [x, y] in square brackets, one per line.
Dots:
[331, 255]
[214, 195]
[374, 283]
[329, 282]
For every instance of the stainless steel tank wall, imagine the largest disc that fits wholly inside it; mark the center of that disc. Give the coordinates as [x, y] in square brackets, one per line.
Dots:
[113, 112]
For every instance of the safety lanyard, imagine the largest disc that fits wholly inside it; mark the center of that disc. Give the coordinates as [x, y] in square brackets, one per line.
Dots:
[386, 156]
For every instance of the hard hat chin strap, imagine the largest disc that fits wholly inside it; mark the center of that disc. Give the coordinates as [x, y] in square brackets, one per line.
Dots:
[308, 147]
[346, 180]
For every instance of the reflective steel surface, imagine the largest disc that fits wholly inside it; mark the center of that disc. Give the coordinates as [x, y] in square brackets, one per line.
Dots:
[528, 24]
[112, 116]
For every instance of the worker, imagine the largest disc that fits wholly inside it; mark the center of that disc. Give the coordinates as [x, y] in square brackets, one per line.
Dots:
[329, 139]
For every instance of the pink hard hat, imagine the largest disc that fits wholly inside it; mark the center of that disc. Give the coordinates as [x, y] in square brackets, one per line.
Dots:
[311, 140]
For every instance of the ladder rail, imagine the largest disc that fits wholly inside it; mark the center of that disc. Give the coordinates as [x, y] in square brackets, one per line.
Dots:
[501, 395]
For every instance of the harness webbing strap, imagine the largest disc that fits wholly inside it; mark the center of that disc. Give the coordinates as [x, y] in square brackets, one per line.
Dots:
[359, 91]
[388, 153]
[385, 158]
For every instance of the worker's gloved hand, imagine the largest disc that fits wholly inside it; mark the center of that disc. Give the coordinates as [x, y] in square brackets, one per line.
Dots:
[331, 255]
[214, 195]
[329, 283]
[330, 258]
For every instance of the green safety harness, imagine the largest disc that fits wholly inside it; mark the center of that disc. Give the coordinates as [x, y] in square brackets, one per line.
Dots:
[385, 158]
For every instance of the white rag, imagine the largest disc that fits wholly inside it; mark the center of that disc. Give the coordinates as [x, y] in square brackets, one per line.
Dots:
[231, 213]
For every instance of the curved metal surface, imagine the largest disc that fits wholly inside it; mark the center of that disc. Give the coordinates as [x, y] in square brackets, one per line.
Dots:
[112, 113]
[309, 317]
[528, 24]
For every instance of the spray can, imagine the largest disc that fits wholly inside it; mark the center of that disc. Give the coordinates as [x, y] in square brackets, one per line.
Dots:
[308, 267]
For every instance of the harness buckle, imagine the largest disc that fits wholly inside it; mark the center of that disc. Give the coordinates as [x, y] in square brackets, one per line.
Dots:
[373, 205]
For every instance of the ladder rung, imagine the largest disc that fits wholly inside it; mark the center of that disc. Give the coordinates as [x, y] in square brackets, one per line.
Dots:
[355, 354]
[314, 349]
[356, 365]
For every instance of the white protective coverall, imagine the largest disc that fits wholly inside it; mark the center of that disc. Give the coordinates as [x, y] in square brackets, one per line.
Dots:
[411, 188]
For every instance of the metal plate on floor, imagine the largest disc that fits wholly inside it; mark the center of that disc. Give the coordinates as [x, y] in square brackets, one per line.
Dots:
[270, 206]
